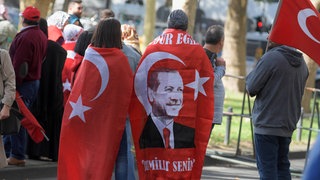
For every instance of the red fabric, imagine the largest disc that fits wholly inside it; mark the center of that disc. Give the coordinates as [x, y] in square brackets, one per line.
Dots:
[54, 33]
[288, 31]
[66, 71]
[166, 134]
[75, 66]
[94, 116]
[29, 122]
[177, 50]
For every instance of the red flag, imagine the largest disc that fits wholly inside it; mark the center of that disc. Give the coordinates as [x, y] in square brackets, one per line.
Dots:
[29, 122]
[94, 116]
[66, 71]
[74, 68]
[298, 25]
[173, 88]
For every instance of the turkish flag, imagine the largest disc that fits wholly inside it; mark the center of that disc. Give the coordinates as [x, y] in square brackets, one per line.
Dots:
[184, 88]
[297, 24]
[75, 66]
[67, 69]
[94, 115]
[34, 129]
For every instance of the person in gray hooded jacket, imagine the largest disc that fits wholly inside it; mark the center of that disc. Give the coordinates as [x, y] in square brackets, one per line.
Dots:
[278, 83]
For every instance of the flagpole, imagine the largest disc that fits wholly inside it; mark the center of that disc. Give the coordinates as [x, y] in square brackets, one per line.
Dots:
[45, 136]
[275, 19]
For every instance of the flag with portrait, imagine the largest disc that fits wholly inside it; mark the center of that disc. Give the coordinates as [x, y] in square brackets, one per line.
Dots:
[172, 108]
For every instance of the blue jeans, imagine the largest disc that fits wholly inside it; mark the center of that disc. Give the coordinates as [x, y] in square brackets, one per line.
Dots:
[124, 168]
[272, 157]
[15, 145]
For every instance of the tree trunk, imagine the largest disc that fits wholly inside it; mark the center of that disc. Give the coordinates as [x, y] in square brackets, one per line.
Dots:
[65, 5]
[189, 7]
[312, 66]
[149, 24]
[44, 6]
[234, 50]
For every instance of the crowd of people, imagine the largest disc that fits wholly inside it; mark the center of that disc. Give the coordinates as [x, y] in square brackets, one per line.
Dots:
[47, 63]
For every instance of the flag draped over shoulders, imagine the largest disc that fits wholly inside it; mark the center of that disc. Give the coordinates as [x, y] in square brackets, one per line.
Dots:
[297, 24]
[174, 49]
[66, 71]
[94, 116]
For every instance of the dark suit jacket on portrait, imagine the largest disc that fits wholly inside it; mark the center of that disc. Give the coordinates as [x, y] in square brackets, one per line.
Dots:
[151, 137]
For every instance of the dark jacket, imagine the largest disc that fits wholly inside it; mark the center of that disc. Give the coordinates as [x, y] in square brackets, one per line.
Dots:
[29, 46]
[48, 107]
[151, 137]
[278, 82]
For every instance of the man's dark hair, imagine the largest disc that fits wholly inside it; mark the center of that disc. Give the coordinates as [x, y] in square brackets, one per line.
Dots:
[178, 19]
[43, 25]
[30, 22]
[214, 34]
[75, 1]
[107, 34]
[83, 42]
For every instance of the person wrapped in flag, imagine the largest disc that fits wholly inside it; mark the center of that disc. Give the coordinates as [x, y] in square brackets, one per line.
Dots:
[95, 113]
[171, 109]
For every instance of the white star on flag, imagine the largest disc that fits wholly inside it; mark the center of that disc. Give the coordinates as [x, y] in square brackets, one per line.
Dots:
[66, 85]
[197, 85]
[78, 109]
[71, 54]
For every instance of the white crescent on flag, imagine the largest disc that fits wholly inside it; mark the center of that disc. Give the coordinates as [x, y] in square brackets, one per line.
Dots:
[302, 20]
[102, 66]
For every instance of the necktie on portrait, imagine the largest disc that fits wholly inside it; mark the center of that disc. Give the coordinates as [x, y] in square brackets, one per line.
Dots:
[166, 135]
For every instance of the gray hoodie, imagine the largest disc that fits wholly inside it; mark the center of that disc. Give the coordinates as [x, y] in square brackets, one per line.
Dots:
[278, 82]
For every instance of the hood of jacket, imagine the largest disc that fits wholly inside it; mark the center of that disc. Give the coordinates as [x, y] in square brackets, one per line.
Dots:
[293, 56]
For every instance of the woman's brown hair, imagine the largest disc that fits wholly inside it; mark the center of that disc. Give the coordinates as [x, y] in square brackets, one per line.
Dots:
[107, 34]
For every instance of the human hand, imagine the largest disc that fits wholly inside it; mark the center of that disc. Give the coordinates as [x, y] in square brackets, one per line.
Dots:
[220, 61]
[5, 112]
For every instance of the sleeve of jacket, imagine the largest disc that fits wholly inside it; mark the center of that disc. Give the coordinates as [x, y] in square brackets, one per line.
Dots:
[258, 77]
[9, 80]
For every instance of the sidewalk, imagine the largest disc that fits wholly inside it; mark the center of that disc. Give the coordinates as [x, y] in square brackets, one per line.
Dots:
[33, 169]
[226, 165]
[218, 165]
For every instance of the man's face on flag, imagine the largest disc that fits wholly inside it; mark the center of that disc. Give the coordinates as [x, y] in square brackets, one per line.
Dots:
[167, 99]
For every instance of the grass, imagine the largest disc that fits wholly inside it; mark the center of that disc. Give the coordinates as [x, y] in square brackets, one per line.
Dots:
[235, 100]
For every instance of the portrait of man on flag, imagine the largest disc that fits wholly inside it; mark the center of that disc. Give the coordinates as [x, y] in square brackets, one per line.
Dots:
[171, 108]
[165, 94]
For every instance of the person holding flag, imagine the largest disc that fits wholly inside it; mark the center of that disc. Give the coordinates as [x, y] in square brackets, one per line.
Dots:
[95, 113]
[278, 82]
[27, 51]
[173, 88]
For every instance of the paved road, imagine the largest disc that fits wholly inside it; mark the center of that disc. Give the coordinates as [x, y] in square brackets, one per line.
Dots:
[216, 167]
